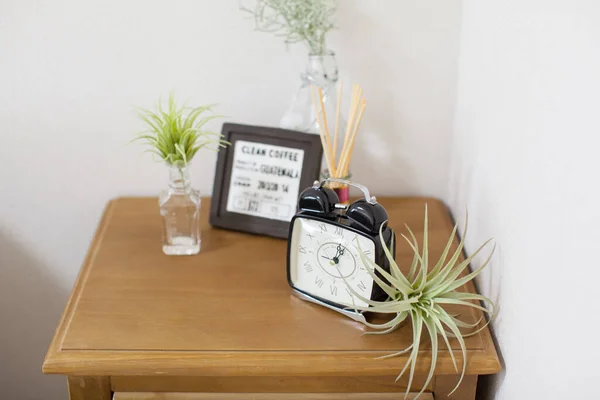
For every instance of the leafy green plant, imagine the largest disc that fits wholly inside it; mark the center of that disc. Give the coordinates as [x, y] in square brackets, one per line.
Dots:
[422, 295]
[306, 21]
[176, 134]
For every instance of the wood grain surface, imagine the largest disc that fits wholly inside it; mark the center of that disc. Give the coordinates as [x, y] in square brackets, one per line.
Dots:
[266, 396]
[89, 388]
[227, 311]
[267, 384]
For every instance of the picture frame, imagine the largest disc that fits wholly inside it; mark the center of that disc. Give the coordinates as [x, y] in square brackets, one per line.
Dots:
[259, 177]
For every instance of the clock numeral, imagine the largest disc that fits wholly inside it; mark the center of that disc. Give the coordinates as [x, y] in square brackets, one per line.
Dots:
[333, 290]
[323, 228]
[339, 231]
[302, 249]
[349, 292]
[319, 282]
[361, 286]
[367, 252]
[310, 236]
[307, 267]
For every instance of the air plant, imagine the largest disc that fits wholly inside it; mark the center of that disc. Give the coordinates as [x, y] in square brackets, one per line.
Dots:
[306, 21]
[422, 295]
[176, 134]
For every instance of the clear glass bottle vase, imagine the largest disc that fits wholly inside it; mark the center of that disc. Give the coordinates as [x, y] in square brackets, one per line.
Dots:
[321, 71]
[180, 212]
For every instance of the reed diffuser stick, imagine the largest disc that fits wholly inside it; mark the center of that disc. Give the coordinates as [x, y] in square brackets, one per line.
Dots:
[321, 131]
[337, 121]
[326, 128]
[356, 128]
[339, 166]
[349, 126]
[354, 108]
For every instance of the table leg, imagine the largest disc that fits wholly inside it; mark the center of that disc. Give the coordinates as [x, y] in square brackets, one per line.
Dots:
[444, 384]
[89, 388]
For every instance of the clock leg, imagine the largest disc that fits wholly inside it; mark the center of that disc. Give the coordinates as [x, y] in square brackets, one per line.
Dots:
[444, 384]
[89, 388]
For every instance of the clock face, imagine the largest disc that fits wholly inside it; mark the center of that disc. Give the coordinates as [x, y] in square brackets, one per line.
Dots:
[324, 260]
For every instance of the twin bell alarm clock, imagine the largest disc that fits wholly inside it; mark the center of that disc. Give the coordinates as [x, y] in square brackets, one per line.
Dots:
[323, 257]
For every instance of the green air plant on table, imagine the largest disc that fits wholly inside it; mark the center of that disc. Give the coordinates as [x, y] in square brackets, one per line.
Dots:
[175, 135]
[422, 295]
[307, 22]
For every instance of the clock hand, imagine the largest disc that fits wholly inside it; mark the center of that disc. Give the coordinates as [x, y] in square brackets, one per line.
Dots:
[340, 250]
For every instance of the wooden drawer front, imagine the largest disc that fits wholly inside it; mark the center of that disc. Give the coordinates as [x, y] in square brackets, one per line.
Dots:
[265, 384]
[266, 396]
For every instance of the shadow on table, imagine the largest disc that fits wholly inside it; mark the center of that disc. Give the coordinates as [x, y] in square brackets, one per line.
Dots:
[31, 303]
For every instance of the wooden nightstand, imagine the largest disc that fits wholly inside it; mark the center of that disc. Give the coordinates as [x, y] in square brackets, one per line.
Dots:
[144, 326]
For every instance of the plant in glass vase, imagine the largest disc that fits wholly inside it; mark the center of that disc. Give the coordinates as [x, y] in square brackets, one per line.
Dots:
[175, 135]
[307, 22]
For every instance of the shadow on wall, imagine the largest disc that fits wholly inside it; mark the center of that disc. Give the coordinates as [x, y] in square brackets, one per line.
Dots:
[30, 306]
[488, 385]
[469, 194]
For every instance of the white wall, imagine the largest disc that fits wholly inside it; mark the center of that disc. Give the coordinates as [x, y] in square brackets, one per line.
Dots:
[523, 157]
[70, 72]
[525, 161]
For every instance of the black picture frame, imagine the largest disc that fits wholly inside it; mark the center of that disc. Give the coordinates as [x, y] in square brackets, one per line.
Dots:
[219, 216]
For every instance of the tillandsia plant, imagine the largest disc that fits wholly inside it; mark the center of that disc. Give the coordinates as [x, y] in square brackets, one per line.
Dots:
[422, 297]
[176, 134]
[306, 21]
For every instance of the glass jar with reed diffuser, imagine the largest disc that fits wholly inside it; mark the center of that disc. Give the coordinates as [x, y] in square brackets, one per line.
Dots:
[341, 189]
[338, 163]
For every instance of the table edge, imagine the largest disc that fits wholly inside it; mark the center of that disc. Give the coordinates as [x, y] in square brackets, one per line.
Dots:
[255, 363]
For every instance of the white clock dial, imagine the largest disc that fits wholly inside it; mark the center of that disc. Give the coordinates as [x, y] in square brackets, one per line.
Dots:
[336, 260]
[325, 260]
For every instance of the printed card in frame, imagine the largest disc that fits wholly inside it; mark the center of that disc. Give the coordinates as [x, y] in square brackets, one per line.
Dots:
[259, 177]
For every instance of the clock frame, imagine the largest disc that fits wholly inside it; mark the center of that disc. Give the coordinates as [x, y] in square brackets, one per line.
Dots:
[342, 221]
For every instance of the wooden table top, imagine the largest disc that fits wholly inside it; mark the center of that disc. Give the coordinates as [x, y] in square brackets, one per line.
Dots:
[228, 310]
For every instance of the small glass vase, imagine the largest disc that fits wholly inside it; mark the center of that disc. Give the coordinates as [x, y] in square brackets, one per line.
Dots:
[321, 71]
[180, 211]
